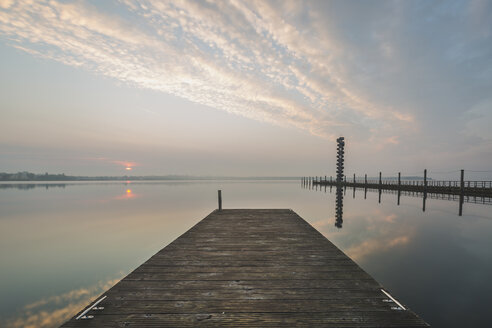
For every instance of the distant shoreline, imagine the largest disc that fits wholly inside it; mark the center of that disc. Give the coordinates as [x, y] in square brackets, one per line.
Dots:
[32, 177]
[22, 177]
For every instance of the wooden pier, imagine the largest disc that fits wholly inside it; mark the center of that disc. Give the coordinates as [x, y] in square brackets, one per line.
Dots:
[461, 188]
[248, 268]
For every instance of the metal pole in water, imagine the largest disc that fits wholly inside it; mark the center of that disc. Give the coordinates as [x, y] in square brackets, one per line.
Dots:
[220, 200]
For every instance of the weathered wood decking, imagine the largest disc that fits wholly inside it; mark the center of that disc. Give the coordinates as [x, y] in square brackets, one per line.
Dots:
[248, 268]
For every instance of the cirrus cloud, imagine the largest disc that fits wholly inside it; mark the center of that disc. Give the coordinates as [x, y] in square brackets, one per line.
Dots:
[382, 72]
[248, 58]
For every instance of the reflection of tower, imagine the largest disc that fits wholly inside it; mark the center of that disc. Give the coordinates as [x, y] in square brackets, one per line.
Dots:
[339, 195]
[339, 207]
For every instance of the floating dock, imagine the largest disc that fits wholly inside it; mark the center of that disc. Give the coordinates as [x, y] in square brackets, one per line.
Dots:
[248, 268]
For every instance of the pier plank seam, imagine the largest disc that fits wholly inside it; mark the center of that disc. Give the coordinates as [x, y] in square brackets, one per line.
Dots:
[248, 268]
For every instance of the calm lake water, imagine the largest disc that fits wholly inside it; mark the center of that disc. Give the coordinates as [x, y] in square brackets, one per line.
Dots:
[61, 245]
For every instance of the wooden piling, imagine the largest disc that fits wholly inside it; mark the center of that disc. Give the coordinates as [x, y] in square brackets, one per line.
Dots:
[462, 182]
[462, 192]
[482, 189]
[424, 198]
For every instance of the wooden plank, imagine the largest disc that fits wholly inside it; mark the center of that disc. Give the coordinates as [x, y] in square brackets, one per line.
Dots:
[249, 268]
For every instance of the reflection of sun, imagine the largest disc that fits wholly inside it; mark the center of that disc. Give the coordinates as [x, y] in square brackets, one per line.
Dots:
[128, 169]
[129, 194]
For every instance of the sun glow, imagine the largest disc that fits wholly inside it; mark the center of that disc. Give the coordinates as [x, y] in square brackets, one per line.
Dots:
[128, 168]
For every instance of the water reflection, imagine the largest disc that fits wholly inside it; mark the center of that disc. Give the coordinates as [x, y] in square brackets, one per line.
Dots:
[60, 240]
[27, 186]
[340, 192]
[54, 310]
[339, 207]
[128, 194]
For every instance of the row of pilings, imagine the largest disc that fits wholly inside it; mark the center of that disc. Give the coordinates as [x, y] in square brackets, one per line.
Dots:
[460, 187]
[455, 187]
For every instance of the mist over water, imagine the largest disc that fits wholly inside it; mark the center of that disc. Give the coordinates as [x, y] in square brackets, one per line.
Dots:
[61, 245]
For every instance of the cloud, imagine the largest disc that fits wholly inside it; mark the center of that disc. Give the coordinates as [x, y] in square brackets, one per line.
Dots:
[5, 3]
[325, 67]
[126, 164]
[241, 57]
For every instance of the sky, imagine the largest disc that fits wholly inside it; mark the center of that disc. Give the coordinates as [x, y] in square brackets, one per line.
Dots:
[245, 88]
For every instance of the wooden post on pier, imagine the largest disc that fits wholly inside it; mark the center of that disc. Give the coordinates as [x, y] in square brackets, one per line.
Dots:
[425, 190]
[380, 186]
[462, 182]
[424, 198]
[399, 187]
[365, 186]
[220, 200]
[462, 192]
[354, 178]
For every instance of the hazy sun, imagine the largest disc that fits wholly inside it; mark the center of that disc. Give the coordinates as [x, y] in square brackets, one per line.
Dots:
[128, 168]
